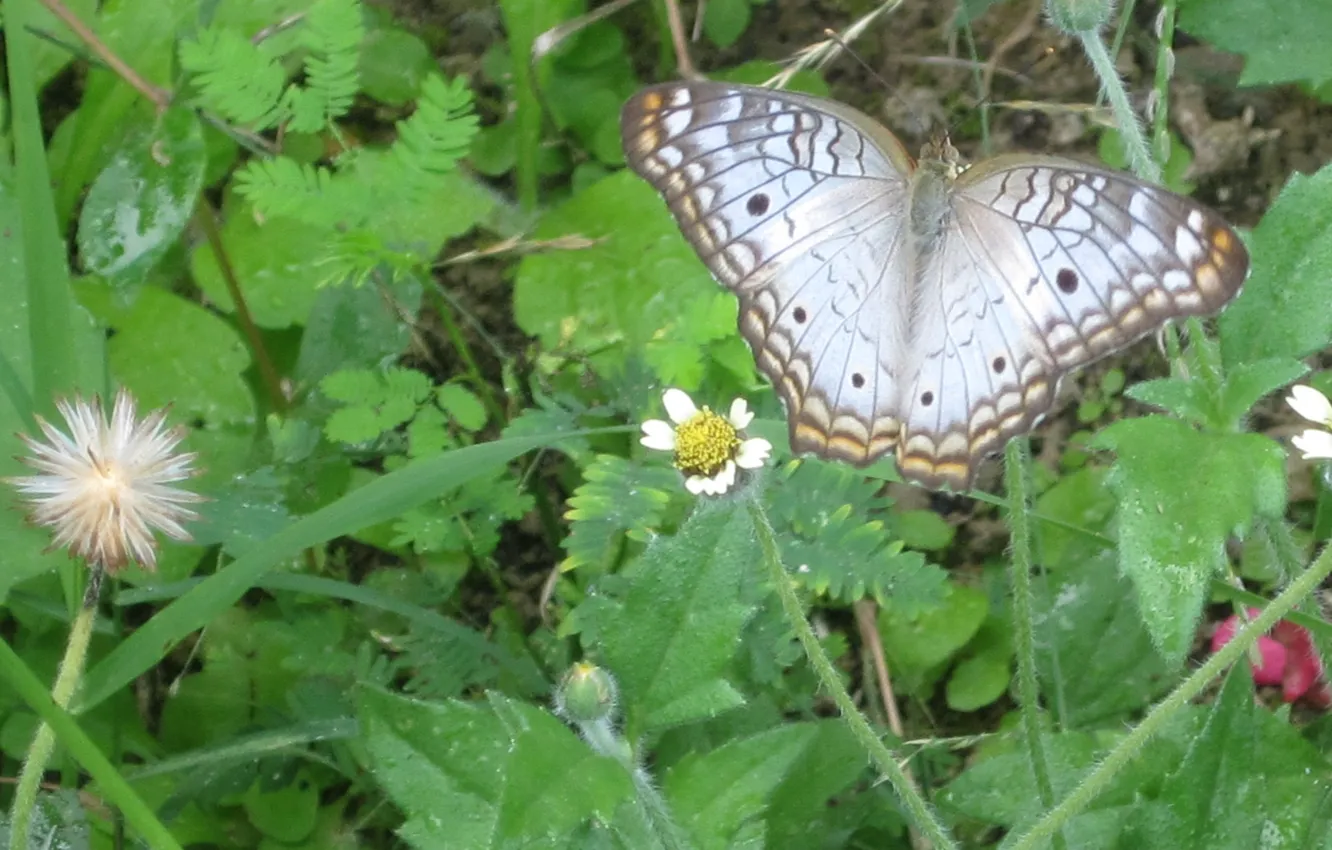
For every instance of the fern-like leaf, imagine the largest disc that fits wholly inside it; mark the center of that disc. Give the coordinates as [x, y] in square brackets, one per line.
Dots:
[234, 78]
[440, 131]
[333, 34]
[821, 513]
[618, 498]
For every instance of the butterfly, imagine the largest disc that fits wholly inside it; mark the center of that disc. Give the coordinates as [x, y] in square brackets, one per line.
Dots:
[917, 307]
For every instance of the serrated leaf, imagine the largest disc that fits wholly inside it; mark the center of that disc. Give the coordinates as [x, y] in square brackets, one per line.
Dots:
[1182, 494]
[666, 626]
[1186, 399]
[716, 793]
[618, 497]
[1248, 382]
[1282, 311]
[482, 776]
[1284, 44]
[139, 204]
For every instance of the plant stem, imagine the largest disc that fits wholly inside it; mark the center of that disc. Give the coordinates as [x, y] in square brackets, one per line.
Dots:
[918, 810]
[160, 97]
[1156, 719]
[1019, 526]
[1130, 129]
[43, 743]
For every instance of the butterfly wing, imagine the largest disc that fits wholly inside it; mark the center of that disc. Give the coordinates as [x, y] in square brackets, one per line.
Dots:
[1046, 265]
[799, 206]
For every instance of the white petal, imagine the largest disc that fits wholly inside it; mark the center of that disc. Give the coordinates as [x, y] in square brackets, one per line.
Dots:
[724, 480]
[753, 453]
[1315, 445]
[697, 484]
[1311, 404]
[741, 415]
[659, 435]
[679, 406]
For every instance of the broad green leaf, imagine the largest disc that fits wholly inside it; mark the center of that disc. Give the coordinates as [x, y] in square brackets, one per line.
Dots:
[666, 626]
[629, 289]
[276, 264]
[919, 642]
[393, 64]
[1246, 383]
[1283, 309]
[1182, 494]
[139, 205]
[715, 793]
[800, 806]
[353, 327]
[473, 776]
[1246, 779]
[725, 21]
[1285, 43]
[462, 405]
[170, 350]
[287, 813]
[980, 680]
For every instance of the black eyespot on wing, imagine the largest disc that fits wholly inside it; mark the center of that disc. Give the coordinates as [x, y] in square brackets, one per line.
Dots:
[999, 364]
[799, 315]
[1067, 280]
[757, 204]
[857, 380]
[926, 399]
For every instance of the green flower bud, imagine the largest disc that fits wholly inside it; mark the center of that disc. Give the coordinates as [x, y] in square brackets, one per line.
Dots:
[587, 695]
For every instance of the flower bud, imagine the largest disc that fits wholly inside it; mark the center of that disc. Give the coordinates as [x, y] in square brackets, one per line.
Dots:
[587, 695]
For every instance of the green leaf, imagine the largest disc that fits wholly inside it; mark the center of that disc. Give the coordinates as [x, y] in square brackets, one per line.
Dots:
[276, 264]
[1246, 383]
[1282, 311]
[1286, 43]
[666, 626]
[394, 63]
[725, 21]
[1245, 778]
[485, 776]
[822, 513]
[462, 405]
[353, 327]
[980, 680]
[287, 813]
[627, 291]
[1182, 494]
[798, 808]
[1185, 398]
[918, 642]
[716, 793]
[617, 497]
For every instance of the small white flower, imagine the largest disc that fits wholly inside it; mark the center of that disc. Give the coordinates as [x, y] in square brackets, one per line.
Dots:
[104, 486]
[1311, 404]
[1314, 444]
[708, 447]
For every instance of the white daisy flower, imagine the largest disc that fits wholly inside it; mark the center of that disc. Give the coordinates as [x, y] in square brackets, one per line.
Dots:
[1311, 404]
[105, 486]
[708, 447]
[1314, 406]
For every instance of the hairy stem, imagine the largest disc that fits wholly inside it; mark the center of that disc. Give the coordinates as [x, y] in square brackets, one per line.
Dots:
[1024, 639]
[1130, 128]
[67, 680]
[1131, 746]
[918, 810]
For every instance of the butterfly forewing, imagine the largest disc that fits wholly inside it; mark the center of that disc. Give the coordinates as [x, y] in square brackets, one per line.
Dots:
[898, 308]
[799, 212]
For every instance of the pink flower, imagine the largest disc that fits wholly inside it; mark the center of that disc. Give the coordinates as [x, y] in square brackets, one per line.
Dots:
[1289, 659]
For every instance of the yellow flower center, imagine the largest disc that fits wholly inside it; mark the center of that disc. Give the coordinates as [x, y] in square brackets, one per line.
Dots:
[703, 444]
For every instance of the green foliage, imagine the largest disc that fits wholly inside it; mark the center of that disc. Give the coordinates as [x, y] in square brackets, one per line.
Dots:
[416, 488]
[664, 626]
[617, 498]
[822, 514]
[1284, 45]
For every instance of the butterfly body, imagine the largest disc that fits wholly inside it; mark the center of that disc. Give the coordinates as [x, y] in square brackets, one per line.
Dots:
[919, 308]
